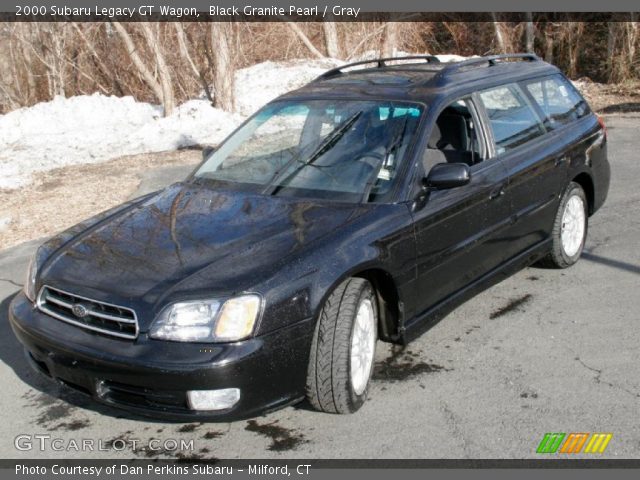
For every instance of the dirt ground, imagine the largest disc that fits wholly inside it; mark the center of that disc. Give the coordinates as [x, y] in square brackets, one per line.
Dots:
[615, 98]
[60, 198]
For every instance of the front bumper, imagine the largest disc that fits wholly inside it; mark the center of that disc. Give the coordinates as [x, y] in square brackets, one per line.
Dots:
[151, 377]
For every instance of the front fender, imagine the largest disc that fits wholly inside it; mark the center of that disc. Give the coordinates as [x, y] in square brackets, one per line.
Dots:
[381, 240]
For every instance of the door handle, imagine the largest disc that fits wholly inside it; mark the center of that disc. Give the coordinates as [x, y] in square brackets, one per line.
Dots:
[497, 193]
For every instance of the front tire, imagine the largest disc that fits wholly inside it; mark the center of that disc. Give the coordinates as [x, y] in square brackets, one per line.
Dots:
[569, 229]
[343, 349]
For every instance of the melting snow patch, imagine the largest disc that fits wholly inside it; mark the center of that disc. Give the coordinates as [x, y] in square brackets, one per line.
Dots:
[261, 83]
[96, 128]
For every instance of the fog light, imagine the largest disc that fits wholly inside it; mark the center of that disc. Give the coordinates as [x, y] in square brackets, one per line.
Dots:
[213, 399]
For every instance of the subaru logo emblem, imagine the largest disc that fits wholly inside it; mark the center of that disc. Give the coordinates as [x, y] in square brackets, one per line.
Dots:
[80, 311]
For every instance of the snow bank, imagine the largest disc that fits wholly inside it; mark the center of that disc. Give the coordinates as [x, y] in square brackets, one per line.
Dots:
[67, 130]
[261, 83]
[452, 58]
[96, 128]
[195, 122]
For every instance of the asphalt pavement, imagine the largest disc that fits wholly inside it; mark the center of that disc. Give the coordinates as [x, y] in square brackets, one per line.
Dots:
[543, 351]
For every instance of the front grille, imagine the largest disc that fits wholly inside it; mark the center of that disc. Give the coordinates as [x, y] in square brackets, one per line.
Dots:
[90, 314]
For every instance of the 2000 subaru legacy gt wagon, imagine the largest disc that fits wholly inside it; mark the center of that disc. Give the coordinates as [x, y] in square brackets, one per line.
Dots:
[361, 207]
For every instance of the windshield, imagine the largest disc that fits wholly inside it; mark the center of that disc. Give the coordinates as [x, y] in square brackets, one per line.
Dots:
[343, 150]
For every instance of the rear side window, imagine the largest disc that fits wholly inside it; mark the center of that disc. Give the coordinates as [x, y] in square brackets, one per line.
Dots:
[513, 120]
[558, 99]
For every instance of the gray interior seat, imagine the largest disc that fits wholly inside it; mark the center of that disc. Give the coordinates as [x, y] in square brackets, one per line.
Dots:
[450, 135]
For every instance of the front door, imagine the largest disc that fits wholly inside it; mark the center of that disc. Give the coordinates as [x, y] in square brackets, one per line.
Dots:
[460, 232]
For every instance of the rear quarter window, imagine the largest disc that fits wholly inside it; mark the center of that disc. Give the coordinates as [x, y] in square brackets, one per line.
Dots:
[512, 119]
[558, 100]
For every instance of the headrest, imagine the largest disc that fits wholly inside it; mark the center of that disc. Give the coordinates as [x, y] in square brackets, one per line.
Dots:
[454, 132]
[435, 137]
[432, 157]
[449, 132]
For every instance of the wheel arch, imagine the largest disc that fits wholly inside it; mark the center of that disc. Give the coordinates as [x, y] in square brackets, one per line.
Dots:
[388, 298]
[586, 182]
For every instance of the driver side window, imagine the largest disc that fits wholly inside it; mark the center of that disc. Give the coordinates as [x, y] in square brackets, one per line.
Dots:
[455, 137]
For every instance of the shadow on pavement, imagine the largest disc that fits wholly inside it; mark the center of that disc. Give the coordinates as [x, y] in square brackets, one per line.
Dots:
[11, 352]
[625, 107]
[628, 267]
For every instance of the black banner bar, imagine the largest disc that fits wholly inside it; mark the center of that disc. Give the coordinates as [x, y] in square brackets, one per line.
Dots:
[540, 17]
[541, 463]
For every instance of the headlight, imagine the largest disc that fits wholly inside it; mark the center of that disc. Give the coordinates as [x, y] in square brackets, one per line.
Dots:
[208, 320]
[32, 273]
[237, 318]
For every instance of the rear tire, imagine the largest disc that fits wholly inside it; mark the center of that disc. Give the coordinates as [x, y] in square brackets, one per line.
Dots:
[343, 349]
[569, 229]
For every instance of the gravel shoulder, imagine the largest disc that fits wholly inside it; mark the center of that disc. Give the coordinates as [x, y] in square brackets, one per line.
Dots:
[60, 198]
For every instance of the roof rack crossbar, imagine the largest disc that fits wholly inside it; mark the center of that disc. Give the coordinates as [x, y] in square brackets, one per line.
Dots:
[379, 62]
[490, 61]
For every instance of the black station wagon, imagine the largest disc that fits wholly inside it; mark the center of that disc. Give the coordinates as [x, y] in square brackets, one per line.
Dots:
[361, 207]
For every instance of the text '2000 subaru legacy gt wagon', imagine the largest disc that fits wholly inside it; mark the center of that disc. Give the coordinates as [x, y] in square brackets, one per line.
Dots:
[361, 207]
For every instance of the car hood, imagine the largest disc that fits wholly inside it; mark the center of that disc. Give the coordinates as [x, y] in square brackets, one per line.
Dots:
[189, 239]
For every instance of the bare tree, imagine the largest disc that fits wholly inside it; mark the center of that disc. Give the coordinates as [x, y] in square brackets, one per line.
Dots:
[457, 33]
[305, 40]
[530, 33]
[184, 49]
[46, 43]
[573, 40]
[631, 40]
[370, 33]
[184, 52]
[622, 39]
[144, 70]
[549, 43]
[27, 61]
[499, 33]
[169, 63]
[54, 38]
[331, 39]
[389, 39]
[224, 72]
[151, 33]
[103, 69]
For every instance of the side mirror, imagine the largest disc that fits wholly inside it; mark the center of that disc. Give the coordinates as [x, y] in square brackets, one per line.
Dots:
[447, 175]
[206, 151]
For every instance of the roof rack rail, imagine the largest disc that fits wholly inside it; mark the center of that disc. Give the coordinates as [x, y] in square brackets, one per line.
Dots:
[491, 61]
[380, 63]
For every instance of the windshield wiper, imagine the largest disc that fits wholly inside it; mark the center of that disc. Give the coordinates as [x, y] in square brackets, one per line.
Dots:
[276, 184]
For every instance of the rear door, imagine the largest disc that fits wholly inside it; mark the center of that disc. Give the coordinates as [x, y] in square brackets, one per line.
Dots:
[535, 166]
